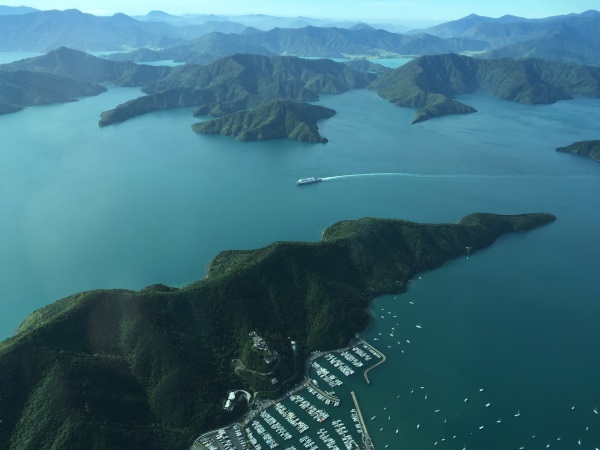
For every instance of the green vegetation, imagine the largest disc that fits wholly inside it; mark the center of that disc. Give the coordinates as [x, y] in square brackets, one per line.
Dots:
[431, 82]
[585, 148]
[276, 120]
[150, 369]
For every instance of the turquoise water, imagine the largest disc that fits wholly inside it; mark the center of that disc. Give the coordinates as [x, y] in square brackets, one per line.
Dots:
[149, 201]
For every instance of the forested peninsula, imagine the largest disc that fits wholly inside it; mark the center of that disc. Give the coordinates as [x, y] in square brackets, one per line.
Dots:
[276, 120]
[431, 82]
[63, 75]
[584, 148]
[150, 369]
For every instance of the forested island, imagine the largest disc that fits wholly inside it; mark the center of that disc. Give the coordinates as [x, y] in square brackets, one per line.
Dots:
[584, 148]
[431, 82]
[276, 120]
[149, 369]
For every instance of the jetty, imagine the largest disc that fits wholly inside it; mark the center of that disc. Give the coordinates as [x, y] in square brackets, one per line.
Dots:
[365, 434]
[377, 354]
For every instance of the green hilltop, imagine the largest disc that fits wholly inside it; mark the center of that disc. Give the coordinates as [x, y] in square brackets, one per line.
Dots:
[150, 369]
[431, 82]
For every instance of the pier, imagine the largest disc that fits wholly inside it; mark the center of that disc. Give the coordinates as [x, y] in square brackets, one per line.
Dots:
[381, 361]
[366, 438]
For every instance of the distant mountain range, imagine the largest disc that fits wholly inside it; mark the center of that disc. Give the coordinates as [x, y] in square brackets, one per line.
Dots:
[201, 39]
[42, 31]
[307, 42]
[570, 38]
[10, 10]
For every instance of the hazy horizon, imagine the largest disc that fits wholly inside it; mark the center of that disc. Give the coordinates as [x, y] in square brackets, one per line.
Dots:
[434, 11]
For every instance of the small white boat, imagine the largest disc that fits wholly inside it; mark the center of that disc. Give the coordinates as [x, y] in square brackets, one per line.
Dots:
[487, 405]
[518, 413]
[397, 429]
[465, 400]
[499, 420]
[596, 410]
[419, 325]
[373, 418]
[309, 180]
[418, 425]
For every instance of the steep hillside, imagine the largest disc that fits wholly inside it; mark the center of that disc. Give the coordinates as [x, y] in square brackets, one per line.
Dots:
[150, 369]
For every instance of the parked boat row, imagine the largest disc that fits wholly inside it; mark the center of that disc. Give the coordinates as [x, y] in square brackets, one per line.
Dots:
[276, 426]
[356, 420]
[291, 418]
[352, 359]
[324, 374]
[360, 352]
[371, 351]
[327, 440]
[318, 414]
[272, 443]
[341, 429]
[253, 441]
[338, 364]
[308, 443]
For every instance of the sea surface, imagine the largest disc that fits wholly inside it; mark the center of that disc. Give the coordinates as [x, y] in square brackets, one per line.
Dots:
[149, 201]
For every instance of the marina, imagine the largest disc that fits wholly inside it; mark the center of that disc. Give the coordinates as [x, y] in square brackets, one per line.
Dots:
[310, 417]
[320, 415]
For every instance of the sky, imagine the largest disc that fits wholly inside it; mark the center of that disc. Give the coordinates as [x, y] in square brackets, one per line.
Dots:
[366, 10]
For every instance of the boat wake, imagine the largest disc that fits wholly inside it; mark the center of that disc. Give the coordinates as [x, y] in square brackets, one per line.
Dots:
[456, 176]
